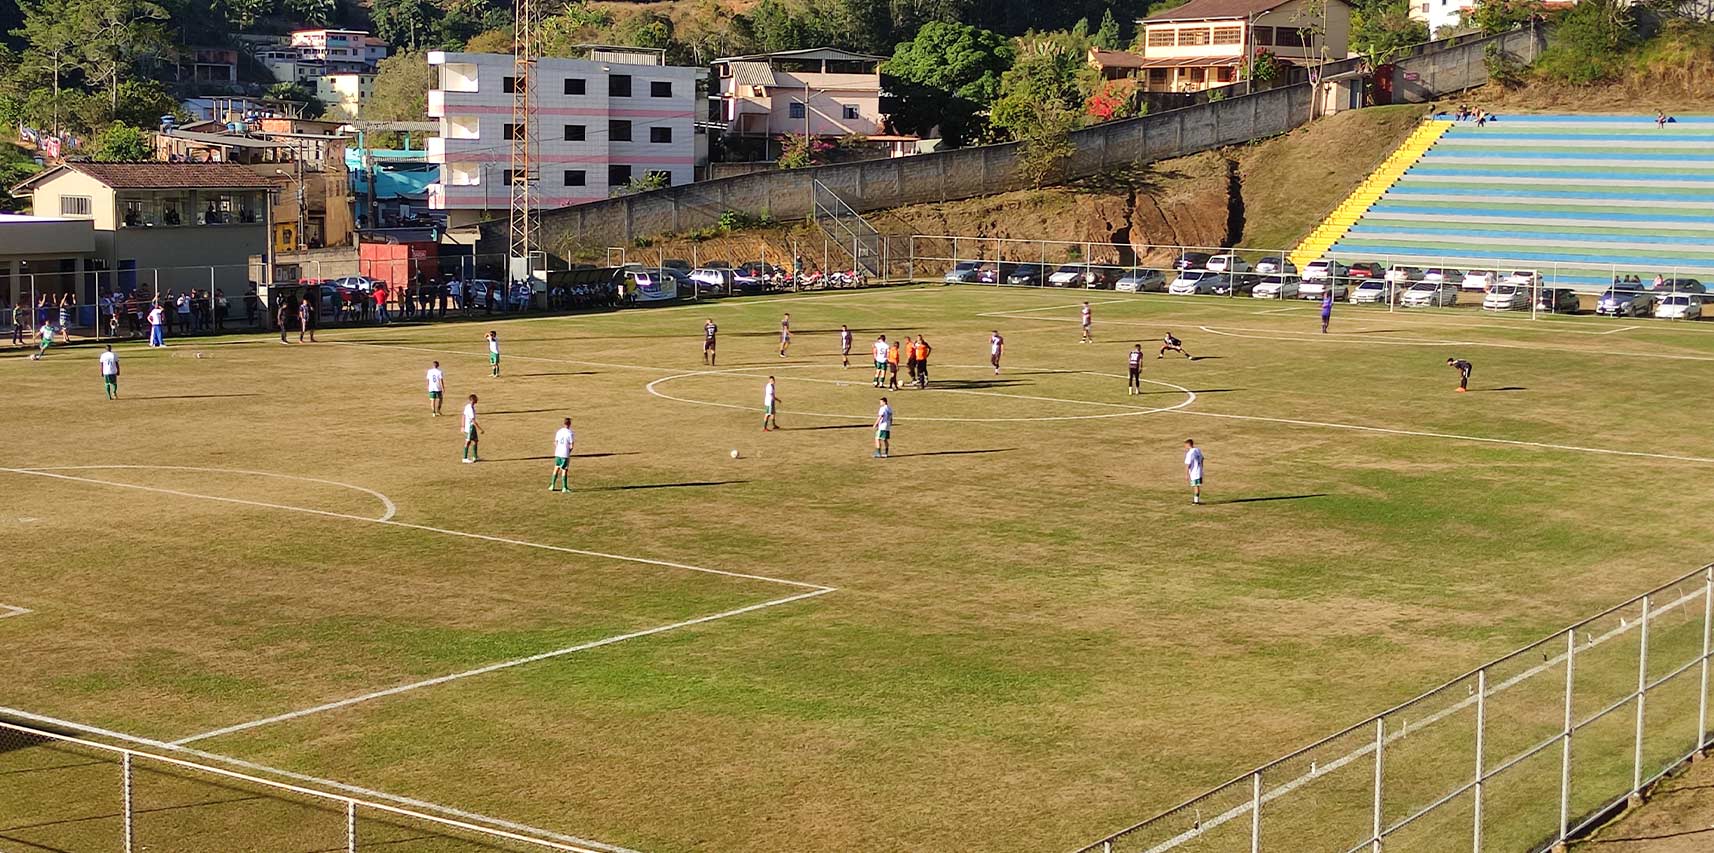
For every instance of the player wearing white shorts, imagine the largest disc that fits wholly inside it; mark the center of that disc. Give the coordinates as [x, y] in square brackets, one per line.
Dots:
[881, 349]
[1088, 321]
[709, 331]
[844, 346]
[996, 348]
[436, 388]
[883, 429]
[563, 441]
[1193, 469]
[1134, 364]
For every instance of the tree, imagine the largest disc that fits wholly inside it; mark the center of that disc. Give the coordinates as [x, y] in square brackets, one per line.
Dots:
[946, 77]
[491, 41]
[114, 35]
[1107, 37]
[400, 93]
[240, 14]
[1590, 44]
[143, 102]
[404, 23]
[646, 182]
[1113, 99]
[297, 93]
[799, 150]
[1051, 68]
[121, 143]
[318, 12]
[1045, 144]
[1382, 30]
[1498, 16]
[51, 50]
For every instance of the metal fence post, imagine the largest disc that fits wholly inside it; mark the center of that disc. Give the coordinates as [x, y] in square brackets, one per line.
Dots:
[1481, 732]
[1256, 812]
[350, 826]
[1707, 623]
[1642, 695]
[1565, 750]
[125, 783]
[1380, 745]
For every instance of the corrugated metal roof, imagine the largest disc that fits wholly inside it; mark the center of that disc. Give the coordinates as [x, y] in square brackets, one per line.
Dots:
[753, 74]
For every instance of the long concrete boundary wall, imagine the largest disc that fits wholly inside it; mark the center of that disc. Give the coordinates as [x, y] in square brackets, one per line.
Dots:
[969, 172]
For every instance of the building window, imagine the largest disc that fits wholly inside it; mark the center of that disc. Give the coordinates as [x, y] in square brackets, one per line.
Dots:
[666, 178]
[795, 110]
[1224, 74]
[849, 111]
[618, 130]
[74, 205]
[1262, 35]
[511, 130]
[660, 88]
[1161, 38]
[1197, 75]
[618, 176]
[574, 133]
[575, 86]
[619, 86]
[509, 84]
[1288, 37]
[1198, 36]
[660, 134]
[574, 177]
[1157, 75]
[1228, 35]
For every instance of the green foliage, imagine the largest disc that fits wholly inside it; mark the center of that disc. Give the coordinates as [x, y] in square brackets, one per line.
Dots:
[120, 142]
[1498, 16]
[1107, 37]
[490, 41]
[15, 166]
[316, 12]
[297, 93]
[1045, 144]
[402, 82]
[1264, 67]
[799, 151]
[143, 102]
[1503, 69]
[946, 76]
[1051, 76]
[1589, 44]
[1382, 30]
[646, 182]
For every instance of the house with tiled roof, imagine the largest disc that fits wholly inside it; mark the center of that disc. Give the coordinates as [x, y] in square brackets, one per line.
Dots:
[1206, 43]
[822, 92]
[174, 226]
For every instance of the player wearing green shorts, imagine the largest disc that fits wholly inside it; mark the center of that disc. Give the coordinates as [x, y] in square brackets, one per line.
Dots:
[770, 402]
[880, 360]
[110, 373]
[472, 432]
[45, 339]
[563, 441]
[494, 354]
[436, 388]
[883, 429]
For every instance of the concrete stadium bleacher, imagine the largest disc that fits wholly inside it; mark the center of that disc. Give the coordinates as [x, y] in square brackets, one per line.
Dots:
[1580, 198]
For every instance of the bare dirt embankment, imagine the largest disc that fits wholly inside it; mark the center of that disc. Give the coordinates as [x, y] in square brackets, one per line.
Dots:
[1266, 194]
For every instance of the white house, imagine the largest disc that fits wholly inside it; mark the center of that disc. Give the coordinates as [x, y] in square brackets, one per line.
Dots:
[600, 123]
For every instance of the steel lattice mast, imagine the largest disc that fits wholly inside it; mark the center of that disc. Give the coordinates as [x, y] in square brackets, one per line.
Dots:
[525, 219]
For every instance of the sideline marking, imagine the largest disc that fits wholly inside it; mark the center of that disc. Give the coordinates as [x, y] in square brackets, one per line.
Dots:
[493, 667]
[13, 611]
[422, 805]
[1130, 410]
[1348, 338]
[385, 501]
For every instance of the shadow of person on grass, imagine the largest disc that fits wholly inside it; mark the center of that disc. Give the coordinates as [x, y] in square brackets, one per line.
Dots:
[1269, 498]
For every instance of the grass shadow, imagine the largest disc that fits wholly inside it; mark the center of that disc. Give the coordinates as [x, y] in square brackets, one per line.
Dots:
[954, 452]
[686, 485]
[1270, 498]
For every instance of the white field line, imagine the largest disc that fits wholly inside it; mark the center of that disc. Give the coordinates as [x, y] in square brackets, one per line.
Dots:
[1348, 338]
[354, 790]
[385, 501]
[1050, 308]
[1619, 329]
[1283, 310]
[1452, 436]
[13, 611]
[494, 667]
[1285, 788]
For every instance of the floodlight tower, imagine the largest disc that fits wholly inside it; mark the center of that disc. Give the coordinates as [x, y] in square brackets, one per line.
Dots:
[525, 230]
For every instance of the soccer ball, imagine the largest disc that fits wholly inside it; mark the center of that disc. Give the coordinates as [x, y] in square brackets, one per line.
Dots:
[199, 355]
[38, 357]
[734, 453]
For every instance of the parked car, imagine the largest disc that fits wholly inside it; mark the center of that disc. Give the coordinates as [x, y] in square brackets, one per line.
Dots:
[679, 277]
[996, 273]
[1447, 274]
[1680, 285]
[1374, 290]
[1102, 278]
[1429, 293]
[1192, 261]
[1625, 303]
[483, 292]
[1679, 306]
[1275, 264]
[1506, 297]
[1403, 276]
[718, 265]
[679, 264]
[1558, 300]
[1530, 280]
[1234, 284]
[963, 271]
[1365, 270]
[359, 283]
[1067, 275]
[1229, 262]
[1278, 286]
[1325, 269]
[758, 271]
[1027, 274]
[1141, 280]
[714, 281]
[1480, 281]
[1193, 282]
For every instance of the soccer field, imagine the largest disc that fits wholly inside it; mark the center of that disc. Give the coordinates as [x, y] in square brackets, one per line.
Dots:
[1014, 634]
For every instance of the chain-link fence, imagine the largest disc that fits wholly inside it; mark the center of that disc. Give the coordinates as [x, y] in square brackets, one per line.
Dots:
[59, 792]
[1520, 754]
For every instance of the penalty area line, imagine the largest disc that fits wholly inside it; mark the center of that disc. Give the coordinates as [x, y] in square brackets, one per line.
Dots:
[7, 611]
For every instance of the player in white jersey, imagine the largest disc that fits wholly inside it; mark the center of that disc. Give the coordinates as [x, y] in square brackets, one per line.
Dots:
[1193, 469]
[996, 348]
[563, 442]
[110, 373]
[883, 429]
[1134, 365]
[494, 354]
[1088, 321]
[770, 399]
[785, 334]
[844, 346]
[881, 360]
[436, 388]
[472, 431]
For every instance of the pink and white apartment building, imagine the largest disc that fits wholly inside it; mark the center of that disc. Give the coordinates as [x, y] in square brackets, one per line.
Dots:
[599, 124]
[340, 51]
